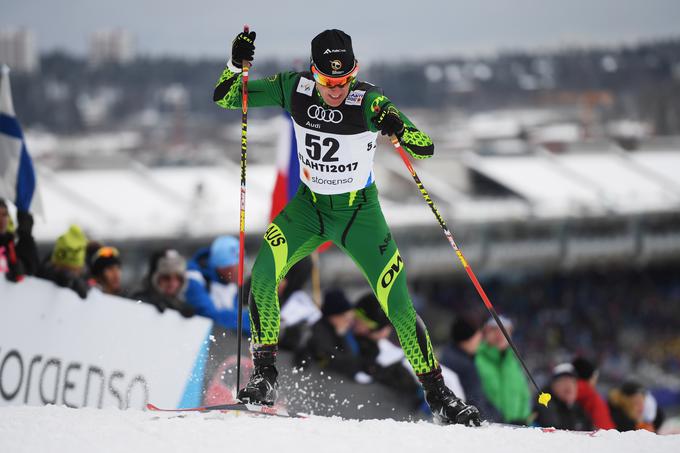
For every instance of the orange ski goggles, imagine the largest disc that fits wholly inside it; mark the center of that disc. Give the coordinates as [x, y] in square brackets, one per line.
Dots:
[331, 82]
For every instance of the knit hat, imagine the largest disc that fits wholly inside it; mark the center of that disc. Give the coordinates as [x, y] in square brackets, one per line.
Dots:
[563, 369]
[369, 310]
[507, 322]
[334, 303]
[167, 262]
[171, 262]
[332, 53]
[223, 252]
[584, 367]
[69, 249]
[463, 329]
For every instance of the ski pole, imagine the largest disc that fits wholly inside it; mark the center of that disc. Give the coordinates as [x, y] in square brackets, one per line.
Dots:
[543, 398]
[242, 217]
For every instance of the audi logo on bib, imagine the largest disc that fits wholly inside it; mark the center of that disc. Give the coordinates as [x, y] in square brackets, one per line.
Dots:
[317, 112]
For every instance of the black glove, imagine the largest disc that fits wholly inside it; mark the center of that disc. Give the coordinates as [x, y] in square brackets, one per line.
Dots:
[243, 48]
[187, 310]
[389, 122]
[80, 286]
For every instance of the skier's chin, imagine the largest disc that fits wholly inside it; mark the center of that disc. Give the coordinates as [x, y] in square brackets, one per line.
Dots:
[334, 102]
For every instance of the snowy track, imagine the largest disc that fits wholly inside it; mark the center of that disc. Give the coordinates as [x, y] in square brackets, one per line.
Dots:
[58, 429]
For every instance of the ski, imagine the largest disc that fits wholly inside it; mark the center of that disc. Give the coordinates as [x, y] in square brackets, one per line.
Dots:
[536, 428]
[250, 408]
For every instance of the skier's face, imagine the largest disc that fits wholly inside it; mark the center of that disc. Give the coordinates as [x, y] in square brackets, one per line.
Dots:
[333, 96]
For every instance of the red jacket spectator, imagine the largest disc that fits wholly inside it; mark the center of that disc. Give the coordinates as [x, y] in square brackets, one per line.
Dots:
[588, 398]
[594, 405]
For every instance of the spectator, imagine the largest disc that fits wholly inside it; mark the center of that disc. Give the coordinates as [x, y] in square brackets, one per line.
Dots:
[588, 398]
[212, 289]
[459, 356]
[331, 343]
[67, 262]
[298, 310]
[166, 282]
[627, 404]
[18, 252]
[502, 377]
[105, 270]
[563, 412]
[371, 329]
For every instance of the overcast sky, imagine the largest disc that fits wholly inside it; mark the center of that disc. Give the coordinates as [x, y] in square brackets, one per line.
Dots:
[380, 29]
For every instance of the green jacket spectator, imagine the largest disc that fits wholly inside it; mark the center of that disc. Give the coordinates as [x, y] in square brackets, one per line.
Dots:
[503, 380]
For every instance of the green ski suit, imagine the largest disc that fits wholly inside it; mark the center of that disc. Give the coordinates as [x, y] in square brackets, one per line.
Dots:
[338, 201]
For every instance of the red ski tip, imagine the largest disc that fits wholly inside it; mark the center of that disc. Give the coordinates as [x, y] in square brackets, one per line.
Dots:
[151, 407]
[246, 28]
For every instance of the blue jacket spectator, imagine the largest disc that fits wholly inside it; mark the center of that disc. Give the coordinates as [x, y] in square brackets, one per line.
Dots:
[212, 288]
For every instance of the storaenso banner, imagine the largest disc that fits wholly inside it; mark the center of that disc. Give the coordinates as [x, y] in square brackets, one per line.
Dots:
[103, 351]
[50, 380]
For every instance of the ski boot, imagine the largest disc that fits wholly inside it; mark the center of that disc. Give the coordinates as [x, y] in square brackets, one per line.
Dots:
[262, 387]
[446, 407]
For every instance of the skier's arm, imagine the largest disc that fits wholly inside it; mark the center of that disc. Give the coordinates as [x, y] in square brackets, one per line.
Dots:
[417, 143]
[272, 91]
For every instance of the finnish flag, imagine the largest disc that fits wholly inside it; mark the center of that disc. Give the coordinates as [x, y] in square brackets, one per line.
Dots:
[17, 176]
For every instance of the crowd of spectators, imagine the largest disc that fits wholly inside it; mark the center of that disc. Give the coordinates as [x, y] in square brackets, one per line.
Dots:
[355, 338]
[204, 286]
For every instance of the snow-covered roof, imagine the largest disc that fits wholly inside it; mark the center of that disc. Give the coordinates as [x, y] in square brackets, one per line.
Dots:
[143, 203]
[551, 192]
[587, 183]
[197, 202]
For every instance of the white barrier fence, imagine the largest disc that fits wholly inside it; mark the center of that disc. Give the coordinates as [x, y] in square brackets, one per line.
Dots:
[104, 351]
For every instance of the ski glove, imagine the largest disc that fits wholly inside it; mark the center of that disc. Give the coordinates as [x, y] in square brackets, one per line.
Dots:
[389, 122]
[243, 48]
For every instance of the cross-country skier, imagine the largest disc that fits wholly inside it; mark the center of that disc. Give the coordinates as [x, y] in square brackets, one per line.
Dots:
[336, 119]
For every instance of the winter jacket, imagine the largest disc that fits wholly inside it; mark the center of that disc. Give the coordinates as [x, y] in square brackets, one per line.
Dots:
[10, 264]
[621, 407]
[463, 364]
[594, 405]
[333, 351]
[18, 252]
[561, 416]
[212, 298]
[503, 382]
[395, 375]
[163, 302]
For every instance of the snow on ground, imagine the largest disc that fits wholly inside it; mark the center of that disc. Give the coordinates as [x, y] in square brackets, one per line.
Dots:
[54, 429]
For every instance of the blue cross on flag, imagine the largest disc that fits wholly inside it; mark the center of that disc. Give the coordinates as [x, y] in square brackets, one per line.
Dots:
[17, 176]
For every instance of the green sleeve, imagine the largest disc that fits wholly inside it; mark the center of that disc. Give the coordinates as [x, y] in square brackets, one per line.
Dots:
[275, 90]
[417, 143]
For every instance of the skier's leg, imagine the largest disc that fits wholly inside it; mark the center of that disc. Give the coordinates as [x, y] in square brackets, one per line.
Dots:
[367, 239]
[291, 236]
